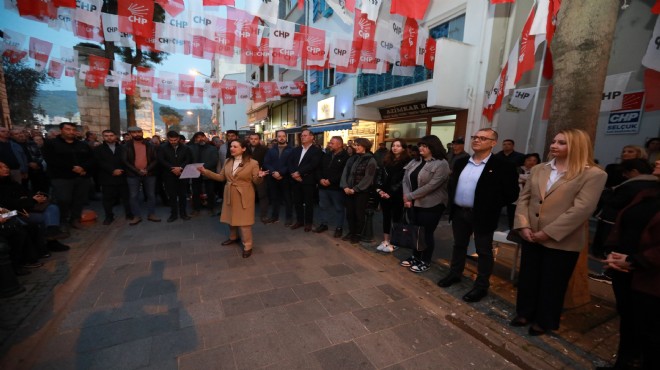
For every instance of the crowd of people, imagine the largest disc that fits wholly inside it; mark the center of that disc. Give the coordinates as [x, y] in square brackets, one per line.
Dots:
[548, 204]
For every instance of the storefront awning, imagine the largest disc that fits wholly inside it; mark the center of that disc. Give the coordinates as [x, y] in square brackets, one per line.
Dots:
[322, 127]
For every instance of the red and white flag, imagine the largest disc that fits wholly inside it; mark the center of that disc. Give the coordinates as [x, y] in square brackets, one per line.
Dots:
[340, 52]
[410, 8]
[55, 68]
[88, 32]
[652, 57]
[339, 9]
[389, 33]
[258, 95]
[186, 84]
[198, 96]
[288, 57]
[368, 59]
[266, 10]
[40, 49]
[89, 12]
[136, 17]
[363, 29]
[314, 47]
[98, 65]
[495, 96]
[172, 7]
[409, 43]
[219, 2]
[64, 19]
[526, 49]
[429, 57]
[128, 87]
[164, 93]
[501, 1]
[36, 10]
[12, 40]
[281, 36]
[111, 81]
[422, 36]
[371, 9]
[145, 77]
[353, 60]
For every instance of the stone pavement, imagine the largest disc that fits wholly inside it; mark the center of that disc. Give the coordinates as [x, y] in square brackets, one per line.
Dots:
[160, 296]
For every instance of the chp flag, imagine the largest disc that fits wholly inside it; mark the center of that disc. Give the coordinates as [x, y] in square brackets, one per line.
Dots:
[615, 85]
[522, 97]
[652, 57]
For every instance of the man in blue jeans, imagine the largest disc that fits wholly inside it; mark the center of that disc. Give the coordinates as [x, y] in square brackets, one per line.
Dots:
[331, 196]
[139, 158]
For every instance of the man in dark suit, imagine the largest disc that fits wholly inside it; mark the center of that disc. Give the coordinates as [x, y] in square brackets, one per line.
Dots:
[111, 175]
[276, 163]
[478, 189]
[173, 157]
[303, 163]
[258, 152]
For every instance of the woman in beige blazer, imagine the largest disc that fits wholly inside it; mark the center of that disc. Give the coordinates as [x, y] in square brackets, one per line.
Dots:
[551, 217]
[240, 171]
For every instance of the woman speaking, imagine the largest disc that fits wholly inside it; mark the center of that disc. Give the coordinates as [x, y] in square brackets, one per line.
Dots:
[551, 217]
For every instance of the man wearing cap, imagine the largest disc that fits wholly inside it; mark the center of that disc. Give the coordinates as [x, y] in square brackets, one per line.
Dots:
[139, 158]
[173, 157]
[458, 151]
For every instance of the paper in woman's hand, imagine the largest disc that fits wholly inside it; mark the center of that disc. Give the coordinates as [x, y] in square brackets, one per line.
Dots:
[190, 171]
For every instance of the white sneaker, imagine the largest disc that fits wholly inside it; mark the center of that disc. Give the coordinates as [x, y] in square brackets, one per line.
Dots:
[381, 247]
[389, 248]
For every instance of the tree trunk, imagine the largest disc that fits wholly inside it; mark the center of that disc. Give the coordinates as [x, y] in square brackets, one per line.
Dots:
[113, 92]
[130, 110]
[581, 51]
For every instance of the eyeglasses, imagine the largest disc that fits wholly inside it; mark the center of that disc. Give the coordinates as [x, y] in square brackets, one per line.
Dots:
[480, 138]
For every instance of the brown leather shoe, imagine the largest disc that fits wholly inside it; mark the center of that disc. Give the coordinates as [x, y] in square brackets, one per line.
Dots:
[230, 241]
[135, 221]
[308, 228]
[247, 253]
[297, 225]
[153, 218]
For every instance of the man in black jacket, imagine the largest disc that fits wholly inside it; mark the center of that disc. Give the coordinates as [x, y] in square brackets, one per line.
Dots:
[331, 196]
[173, 157]
[303, 164]
[478, 189]
[140, 162]
[258, 152]
[69, 162]
[279, 181]
[203, 152]
[111, 175]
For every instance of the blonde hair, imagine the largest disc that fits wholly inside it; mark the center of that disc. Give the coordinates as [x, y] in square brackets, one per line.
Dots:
[641, 152]
[580, 152]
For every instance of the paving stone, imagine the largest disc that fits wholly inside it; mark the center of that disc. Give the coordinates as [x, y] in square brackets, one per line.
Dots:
[258, 351]
[201, 313]
[310, 291]
[338, 303]
[305, 311]
[219, 358]
[284, 279]
[278, 297]
[303, 362]
[127, 355]
[431, 360]
[342, 327]
[343, 356]
[390, 291]
[370, 297]
[242, 304]
[384, 348]
[338, 270]
[376, 318]
[172, 344]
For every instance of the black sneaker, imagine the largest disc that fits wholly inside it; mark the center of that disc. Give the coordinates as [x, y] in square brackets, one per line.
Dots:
[321, 228]
[338, 232]
[601, 278]
[408, 262]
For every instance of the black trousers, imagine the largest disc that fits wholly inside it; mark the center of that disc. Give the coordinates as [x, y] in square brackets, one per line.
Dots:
[630, 344]
[462, 226]
[303, 201]
[177, 192]
[646, 308]
[429, 218]
[113, 194]
[280, 193]
[356, 207]
[392, 211]
[203, 186]
[542, 283]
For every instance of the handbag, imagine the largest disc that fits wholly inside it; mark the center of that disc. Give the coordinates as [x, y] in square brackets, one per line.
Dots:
[406, 235]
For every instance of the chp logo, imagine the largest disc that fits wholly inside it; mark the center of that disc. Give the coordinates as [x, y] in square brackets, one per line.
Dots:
[138, 13]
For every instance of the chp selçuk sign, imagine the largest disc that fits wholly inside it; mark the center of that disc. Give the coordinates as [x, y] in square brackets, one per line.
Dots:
[627, 119]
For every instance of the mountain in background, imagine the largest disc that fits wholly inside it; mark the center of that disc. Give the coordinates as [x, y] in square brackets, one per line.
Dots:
[63, 102]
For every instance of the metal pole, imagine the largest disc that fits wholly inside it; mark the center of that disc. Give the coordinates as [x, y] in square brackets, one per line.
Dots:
[536, 99]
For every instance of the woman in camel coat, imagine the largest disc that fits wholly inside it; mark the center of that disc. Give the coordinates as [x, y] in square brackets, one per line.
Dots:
[240, 172]
[551, 216]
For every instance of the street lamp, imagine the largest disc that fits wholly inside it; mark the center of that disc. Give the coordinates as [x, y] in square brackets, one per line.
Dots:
[195, 72]
[190, 113]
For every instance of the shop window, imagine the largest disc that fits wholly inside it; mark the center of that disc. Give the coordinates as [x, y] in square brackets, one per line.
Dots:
[453, 29]
[408, 131]
[328, 78]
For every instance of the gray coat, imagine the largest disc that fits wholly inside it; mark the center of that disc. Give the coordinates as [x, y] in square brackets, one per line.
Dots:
[432, 183]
